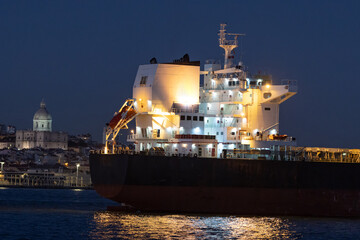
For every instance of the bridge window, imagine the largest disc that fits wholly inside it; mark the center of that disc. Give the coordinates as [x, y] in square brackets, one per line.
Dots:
[267, 109]
[182, 117]
[143, 81]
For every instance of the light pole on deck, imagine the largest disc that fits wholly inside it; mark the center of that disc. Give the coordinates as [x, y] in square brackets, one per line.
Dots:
[77, 173]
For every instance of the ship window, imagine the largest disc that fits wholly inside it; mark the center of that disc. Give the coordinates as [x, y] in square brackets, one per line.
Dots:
[182, 117]
[237, 83]
[201, 118]
[194, 118]
[188, 118]
[267, 109]
[267, 95]
[158, 133]
[222, 133]
[143, 81]
[217, 133]
[143, 132]
[232, 133]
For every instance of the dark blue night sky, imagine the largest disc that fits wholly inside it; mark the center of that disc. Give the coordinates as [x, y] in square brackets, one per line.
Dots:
[82, 57]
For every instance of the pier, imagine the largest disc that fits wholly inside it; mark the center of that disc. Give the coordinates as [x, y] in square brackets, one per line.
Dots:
[44, 180]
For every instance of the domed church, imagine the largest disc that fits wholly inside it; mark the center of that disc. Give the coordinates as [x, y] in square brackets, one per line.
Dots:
[42, 119]
[42, 134]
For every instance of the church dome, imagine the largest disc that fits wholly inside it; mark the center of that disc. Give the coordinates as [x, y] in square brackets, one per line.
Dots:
[42, 113]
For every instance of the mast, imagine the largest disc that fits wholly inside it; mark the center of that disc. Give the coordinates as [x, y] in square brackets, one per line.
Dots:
[228, 45]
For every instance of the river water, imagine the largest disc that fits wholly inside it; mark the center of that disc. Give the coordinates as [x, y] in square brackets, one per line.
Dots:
[81, 214]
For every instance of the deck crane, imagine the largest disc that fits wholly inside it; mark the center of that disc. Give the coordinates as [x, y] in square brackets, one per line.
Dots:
[120, 120]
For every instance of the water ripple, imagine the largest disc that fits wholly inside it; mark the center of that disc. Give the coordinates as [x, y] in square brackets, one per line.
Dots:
[66, 214]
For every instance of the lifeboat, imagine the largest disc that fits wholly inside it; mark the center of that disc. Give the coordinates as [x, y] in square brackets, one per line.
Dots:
[277, 137]
[125, 114]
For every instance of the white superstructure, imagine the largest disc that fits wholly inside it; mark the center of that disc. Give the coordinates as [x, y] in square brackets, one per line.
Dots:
[231, 110]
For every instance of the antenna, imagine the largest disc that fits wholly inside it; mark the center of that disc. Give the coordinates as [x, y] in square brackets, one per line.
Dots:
[228, 44]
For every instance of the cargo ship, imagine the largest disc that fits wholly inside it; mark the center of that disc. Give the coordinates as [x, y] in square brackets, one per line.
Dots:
[208, 141]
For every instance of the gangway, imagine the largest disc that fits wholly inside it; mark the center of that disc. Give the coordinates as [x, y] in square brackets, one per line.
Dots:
[120, 120]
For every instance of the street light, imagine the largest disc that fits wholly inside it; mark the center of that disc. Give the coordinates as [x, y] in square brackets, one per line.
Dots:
[2, 166]
[77, 173]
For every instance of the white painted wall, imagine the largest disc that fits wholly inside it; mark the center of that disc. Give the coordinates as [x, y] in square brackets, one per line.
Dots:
[166, 84]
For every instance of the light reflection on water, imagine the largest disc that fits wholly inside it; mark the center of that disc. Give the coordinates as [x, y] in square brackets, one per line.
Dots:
[110, 225]
[67, 214]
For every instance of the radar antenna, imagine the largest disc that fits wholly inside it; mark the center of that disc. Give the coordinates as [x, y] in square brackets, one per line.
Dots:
[228, 45]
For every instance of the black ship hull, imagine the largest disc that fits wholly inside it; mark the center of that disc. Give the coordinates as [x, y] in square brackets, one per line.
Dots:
[228, 186]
